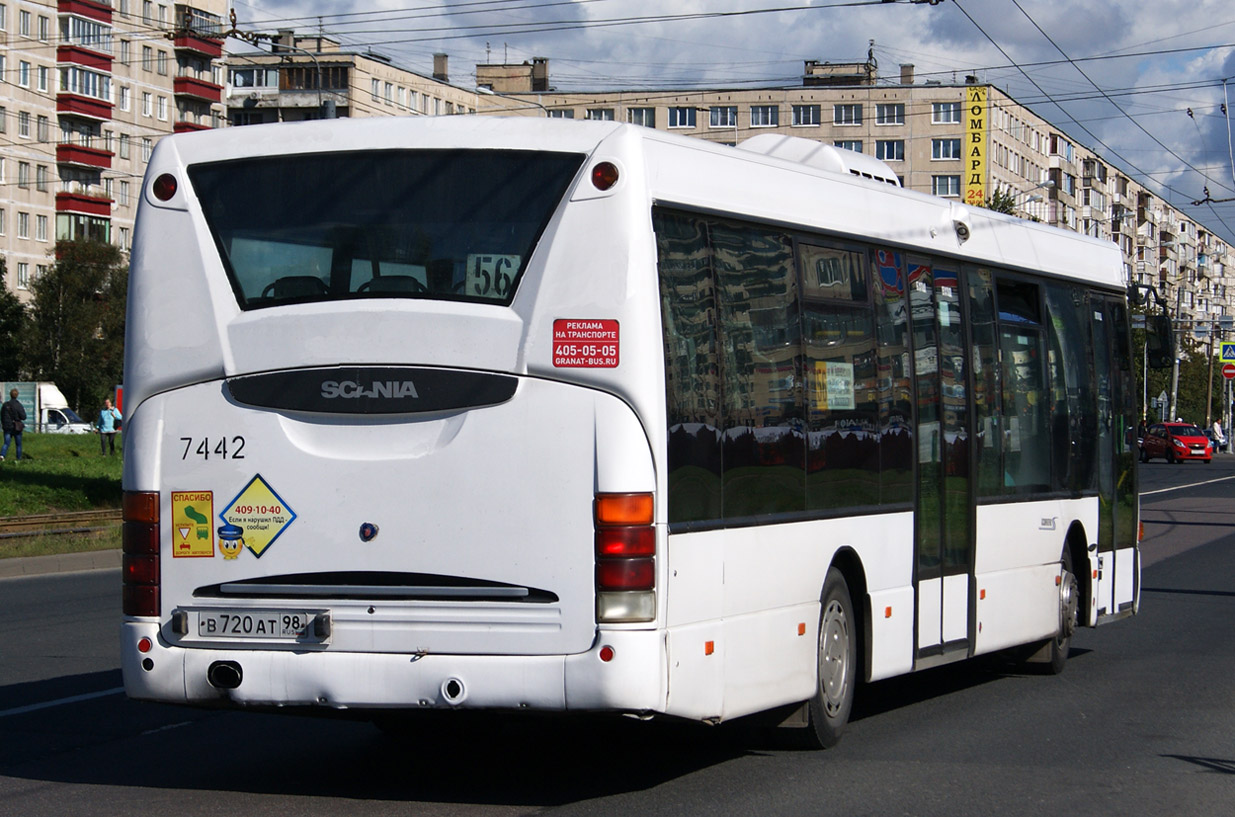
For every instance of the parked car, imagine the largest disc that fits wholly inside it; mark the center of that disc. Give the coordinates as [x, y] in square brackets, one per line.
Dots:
[65, 421]
[1176, 442]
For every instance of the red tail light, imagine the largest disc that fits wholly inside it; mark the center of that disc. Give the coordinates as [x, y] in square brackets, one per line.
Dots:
[141, 553]
[625, 557]
[625, 574]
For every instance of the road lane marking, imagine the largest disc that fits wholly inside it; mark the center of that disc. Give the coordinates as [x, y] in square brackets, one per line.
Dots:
[21, 710]
[1190, 485]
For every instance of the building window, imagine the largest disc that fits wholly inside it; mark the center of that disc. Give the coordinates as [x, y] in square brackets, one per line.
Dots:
[600, 114]
[3, 222]
[147, 148]
[23, 23]
[764, 116]
[147, 11]
[43, 74]
[561, 113]
[147, 58]
[375, 90]
[23, 174]
[946, 185]
[125, 100]
[43, 129]
[162, 61]
[23, 74]
[163, 108]
[389, 92]
[890, 113]
[23, 225]
[23, 275]
[124, 146]
[641, 116]
[125, 55]
[123, 198]
[147, 103]
[40, 178]
[40, 228]
[124, 238]
[681, 117]
[890, 150]
[849, 144]
[945, 113]
[846, 114]
[806, 116]
[83, 82]
[4, 18]
[44, 28]
[23, 124]
[723, 116]
[945, 148]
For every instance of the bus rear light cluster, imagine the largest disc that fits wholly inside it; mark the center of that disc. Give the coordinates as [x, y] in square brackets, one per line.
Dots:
[141, 553]
[625, 558]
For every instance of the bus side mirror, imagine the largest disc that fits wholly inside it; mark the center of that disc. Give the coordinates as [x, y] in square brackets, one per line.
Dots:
[1160, 342]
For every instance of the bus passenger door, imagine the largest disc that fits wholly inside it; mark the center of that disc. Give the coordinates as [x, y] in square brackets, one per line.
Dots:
[1117, 586]
[943, 527]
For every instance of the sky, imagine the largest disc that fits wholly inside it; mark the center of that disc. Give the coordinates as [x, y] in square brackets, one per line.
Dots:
[1144, 85]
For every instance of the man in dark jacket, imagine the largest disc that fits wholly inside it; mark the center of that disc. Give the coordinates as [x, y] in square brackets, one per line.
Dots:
[13, 421]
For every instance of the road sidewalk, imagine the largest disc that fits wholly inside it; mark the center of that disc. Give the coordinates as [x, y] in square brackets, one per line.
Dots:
[59, 563]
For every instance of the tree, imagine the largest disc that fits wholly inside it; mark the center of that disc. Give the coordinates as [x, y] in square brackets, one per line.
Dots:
[1002, 200]
[75, 335]
[12, 325]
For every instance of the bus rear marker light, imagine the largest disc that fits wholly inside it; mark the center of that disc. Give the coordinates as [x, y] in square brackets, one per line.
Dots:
[887, 612]
[606, 653]
[801, 628]
[709, 647]
[165, 187]
[144, 644]
[604, 175]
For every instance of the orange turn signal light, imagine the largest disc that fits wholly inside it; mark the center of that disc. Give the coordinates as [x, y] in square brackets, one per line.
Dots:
[623, 509]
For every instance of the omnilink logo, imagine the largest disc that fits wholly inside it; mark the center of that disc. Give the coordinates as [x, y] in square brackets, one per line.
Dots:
[350, 389]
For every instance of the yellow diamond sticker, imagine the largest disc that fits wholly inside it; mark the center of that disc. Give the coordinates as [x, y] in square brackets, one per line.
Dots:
[260, 514]
[192, 535]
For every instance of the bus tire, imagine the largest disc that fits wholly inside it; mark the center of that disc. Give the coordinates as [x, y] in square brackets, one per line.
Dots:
[1069, 616]
[836, 672]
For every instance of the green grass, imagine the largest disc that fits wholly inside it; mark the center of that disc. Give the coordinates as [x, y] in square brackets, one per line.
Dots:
[59, 472]
[108, 539]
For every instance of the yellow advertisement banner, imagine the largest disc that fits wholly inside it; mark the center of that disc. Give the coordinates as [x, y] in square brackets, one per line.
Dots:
[977, 122]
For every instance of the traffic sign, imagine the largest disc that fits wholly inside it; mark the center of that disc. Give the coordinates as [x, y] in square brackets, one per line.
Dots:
[1228, 352]
[1228, 371]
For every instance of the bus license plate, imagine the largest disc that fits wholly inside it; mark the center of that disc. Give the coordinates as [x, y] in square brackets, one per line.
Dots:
[269, 624]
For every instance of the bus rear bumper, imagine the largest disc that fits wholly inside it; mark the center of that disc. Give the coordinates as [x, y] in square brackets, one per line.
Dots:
[631, 681]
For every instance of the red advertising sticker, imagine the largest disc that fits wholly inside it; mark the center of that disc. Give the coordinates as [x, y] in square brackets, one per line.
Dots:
[581, 343]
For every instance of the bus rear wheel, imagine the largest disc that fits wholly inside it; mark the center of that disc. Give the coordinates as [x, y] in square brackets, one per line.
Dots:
[837, 665]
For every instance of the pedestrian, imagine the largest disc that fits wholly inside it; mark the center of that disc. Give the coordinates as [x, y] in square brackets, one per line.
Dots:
[108, 424]
[13, 420]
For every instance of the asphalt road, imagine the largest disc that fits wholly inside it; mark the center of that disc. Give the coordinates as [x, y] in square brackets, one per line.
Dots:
[1140, 722]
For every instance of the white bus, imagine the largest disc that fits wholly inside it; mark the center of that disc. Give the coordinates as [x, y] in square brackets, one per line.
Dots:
[480, 413]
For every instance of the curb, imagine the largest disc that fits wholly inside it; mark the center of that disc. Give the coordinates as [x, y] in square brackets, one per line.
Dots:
[59, 563]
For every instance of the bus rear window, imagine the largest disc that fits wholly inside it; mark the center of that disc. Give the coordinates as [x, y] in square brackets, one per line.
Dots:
[442, 224]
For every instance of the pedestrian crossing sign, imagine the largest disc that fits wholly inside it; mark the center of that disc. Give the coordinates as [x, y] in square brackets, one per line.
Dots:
[1228, 352]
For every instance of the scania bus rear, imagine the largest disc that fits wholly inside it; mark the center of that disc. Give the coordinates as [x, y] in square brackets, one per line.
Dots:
[385, 441]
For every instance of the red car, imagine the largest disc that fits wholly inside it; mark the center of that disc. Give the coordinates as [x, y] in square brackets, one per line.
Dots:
[1176, 442]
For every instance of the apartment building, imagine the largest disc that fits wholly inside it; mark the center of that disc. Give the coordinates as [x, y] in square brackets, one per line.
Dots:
[90, 86]
[308, 77]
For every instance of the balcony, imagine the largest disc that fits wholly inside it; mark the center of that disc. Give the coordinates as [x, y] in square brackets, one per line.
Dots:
[82, 156]
[84, 107]
[99, 10]
[197, 89]
[82, 203]
[189, 127]
[198, 44]
[80, 55]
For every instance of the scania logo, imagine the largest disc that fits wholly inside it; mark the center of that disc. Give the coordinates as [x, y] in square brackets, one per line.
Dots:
[350, 389]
